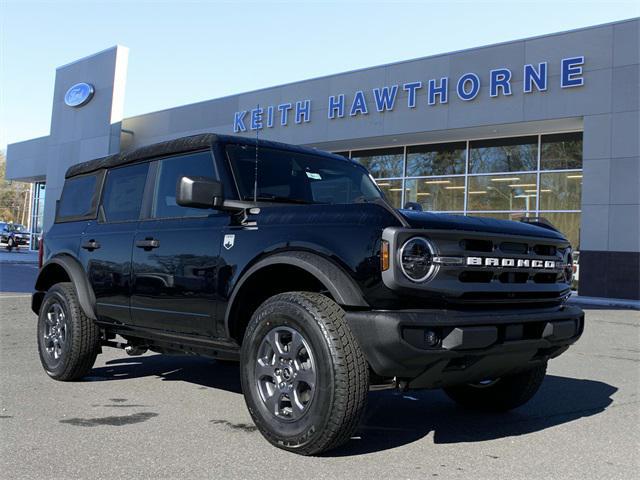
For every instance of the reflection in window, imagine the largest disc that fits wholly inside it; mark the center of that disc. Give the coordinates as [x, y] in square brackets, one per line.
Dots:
[381, 162]
[436, 194]
[122, 194]
[436, 159]
[392, 191]
[503, 155]
[502, 192]
[568, 224]
[561, 151]
[560, 191]
[170, 170]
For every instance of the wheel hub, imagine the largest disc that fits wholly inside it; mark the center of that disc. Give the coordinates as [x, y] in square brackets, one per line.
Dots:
[55, 331]
[285, 373]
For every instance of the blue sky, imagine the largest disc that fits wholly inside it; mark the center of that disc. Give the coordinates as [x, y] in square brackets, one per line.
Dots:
[187, 51]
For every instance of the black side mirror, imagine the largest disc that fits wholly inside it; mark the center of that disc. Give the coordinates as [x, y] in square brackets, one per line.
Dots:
[199, 192]
[413, 206]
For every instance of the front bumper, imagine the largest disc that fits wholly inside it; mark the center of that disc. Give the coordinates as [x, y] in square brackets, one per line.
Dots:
[470, 346]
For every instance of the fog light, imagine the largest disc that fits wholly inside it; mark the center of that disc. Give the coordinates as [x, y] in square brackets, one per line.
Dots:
[431, 338]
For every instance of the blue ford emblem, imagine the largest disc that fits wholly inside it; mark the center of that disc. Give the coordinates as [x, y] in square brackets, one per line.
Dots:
[79, 94]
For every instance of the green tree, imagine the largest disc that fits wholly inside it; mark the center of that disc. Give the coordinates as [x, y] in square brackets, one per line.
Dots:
[14, 197]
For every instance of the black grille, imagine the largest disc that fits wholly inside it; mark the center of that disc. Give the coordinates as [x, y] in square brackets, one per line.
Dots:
[476, 245]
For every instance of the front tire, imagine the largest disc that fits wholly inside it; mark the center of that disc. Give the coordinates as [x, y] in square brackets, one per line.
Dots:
[68, 341]
[502, 394]
[304, 377]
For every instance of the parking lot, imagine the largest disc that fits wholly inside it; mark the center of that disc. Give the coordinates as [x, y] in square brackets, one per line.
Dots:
[176, 417]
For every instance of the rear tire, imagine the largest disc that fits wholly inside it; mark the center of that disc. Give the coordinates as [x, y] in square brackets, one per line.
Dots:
[503, 394]
[304, 377]
[68, 340]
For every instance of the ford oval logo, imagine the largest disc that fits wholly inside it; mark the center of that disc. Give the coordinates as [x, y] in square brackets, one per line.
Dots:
[79, 94]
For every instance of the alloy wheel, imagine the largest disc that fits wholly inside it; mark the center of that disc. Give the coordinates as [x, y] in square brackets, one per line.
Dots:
[285, 373]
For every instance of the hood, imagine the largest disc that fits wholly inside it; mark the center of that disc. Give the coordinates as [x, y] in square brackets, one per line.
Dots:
[445, 221]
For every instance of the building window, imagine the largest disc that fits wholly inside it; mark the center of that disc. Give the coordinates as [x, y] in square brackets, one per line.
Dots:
[505, 178]
[392, 191]
[436, 159]
[382, 162]
[502, 192]
[518, 154]
[561, 151]
[437, 194]
[560, 190]
[37, 213]
[568, 223]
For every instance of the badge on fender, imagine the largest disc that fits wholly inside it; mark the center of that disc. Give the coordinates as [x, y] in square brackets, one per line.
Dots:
[228, 241]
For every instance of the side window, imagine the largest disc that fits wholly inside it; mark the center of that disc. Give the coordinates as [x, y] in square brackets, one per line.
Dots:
[123, 192]
[79, 198]
[169, 172]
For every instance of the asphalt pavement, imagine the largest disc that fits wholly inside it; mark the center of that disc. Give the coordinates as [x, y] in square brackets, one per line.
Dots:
[159, 416]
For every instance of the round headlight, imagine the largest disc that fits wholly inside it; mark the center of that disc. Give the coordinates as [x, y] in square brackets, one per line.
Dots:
[416, 259]
[568, 266]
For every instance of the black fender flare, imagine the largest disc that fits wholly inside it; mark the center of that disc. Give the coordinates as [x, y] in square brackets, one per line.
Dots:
[342, 287]
[76, 274]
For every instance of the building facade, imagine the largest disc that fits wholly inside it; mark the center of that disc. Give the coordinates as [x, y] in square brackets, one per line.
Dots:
[546, 126]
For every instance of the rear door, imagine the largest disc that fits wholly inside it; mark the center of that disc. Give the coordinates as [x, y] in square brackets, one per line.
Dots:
[176, 254]
[107, 243]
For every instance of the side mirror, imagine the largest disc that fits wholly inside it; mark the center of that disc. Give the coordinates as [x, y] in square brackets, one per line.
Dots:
[199, 192]
[413, 206]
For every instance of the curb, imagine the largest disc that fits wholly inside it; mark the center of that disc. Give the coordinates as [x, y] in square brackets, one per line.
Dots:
[605, 302]
[18, 262]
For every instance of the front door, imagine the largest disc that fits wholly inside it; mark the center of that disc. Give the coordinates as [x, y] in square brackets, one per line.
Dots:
[176, 254]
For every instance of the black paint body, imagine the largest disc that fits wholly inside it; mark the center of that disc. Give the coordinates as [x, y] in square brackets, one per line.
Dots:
[185, 291]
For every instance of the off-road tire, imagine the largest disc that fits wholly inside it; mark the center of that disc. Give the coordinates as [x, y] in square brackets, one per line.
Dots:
[505, 394]
[82, 336]
[340, 393]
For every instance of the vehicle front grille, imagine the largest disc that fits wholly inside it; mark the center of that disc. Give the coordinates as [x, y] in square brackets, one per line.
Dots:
[509, 278]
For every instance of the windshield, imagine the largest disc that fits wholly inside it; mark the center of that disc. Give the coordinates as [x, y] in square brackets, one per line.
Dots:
[15, 227]
[292, 177]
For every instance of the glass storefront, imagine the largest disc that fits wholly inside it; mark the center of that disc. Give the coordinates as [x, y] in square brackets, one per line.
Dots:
[507, 178]
[37, 213]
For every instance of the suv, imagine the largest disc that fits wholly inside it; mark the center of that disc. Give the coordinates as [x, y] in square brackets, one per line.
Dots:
[14, 235]
[291, 261]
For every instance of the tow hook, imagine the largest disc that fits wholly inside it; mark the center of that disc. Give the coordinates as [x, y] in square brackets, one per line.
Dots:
[134, 351]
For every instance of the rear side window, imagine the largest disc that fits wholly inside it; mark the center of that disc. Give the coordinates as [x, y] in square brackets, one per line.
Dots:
[123, 191]
[79, 198]
[169, 172]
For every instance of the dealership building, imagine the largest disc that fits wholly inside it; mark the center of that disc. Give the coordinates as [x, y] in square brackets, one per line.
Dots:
[541, 127]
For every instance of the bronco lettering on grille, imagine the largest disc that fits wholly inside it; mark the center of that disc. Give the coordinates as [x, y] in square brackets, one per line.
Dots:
[512, 262]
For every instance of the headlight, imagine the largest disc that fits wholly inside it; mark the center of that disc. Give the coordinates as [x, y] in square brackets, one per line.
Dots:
[416, 259]
[568, 266]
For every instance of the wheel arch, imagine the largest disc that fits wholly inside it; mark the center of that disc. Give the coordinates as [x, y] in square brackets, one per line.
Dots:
[64, 268]
[288, 271]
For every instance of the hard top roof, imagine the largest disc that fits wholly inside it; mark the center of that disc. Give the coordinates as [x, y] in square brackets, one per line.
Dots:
[181, 145]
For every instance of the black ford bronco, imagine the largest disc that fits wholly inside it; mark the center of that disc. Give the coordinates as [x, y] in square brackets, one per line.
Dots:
[291, 261]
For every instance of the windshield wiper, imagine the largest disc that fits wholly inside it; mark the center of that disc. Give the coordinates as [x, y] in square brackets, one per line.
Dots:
[278, 199]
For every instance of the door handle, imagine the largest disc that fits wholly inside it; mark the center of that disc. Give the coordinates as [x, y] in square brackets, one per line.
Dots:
[148, 243]
[91, 245]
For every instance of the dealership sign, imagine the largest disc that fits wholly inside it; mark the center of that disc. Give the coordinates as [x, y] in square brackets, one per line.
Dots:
[433, 92]
[79, 94]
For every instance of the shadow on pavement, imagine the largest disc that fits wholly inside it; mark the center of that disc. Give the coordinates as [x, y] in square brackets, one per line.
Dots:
[200, 371]
[393, 419]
